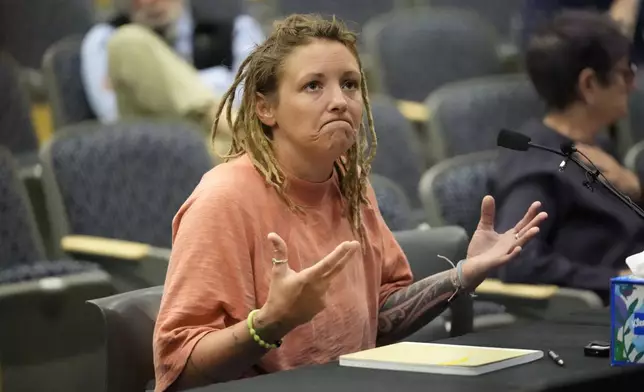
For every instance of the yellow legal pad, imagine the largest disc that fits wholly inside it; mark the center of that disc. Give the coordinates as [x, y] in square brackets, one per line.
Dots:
[440, 358]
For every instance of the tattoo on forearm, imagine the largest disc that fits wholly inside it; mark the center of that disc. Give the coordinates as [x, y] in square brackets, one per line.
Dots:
[408, 309]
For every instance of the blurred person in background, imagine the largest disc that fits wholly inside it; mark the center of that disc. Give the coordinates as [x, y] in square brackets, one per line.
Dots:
[628, 13]
[580, 65]
[156, 58]
[280, 257]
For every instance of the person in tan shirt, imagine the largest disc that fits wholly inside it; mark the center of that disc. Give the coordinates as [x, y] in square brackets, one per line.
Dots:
[280, 256]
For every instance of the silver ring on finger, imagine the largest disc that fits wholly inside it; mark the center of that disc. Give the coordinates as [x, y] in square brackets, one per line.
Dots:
[516, 236]
[278, 261]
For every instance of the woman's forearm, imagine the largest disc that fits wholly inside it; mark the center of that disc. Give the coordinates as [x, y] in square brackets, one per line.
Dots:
[408, 309]
[226, 354]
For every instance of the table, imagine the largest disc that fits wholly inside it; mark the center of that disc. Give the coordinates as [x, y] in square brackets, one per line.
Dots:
[565, 338]
[599, 317]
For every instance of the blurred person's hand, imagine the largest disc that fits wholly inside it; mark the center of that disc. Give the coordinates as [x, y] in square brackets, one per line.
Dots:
[622, 178]
[625, 13]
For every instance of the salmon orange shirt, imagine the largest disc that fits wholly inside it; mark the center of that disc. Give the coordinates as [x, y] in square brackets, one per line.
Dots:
[221, 264]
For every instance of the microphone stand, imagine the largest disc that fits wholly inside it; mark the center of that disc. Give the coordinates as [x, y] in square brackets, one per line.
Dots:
[593, 174]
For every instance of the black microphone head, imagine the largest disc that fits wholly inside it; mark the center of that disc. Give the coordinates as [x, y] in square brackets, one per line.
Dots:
[513, 140]
[567, 147]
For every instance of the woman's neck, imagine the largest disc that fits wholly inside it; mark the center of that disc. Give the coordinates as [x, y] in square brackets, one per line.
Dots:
[575, 124]
[305, 168]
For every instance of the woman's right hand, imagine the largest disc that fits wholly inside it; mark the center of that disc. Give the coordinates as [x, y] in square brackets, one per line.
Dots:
[294, 298]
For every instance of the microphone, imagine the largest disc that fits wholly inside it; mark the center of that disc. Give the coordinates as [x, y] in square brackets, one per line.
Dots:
[520, 142]
[513, 140]
[568, 148]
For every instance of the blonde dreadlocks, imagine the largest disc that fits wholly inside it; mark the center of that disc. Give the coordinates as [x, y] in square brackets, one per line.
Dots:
[259, 73]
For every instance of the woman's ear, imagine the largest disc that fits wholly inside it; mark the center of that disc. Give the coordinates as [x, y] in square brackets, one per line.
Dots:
[587, 84]
[264, 110]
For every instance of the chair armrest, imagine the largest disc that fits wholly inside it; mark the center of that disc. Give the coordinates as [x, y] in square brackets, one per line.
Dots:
[97, 279]
[413, 111]
[112, 248]
[132, 265]
[537, 300]
[527, 291]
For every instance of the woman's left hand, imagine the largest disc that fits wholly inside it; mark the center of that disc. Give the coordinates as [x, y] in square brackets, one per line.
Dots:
[489, 249]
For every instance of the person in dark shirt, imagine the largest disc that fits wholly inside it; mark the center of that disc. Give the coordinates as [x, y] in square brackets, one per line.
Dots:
[579, 64]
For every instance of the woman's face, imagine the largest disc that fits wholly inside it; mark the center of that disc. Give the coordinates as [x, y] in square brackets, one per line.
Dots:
[611, 101]
[318, 108]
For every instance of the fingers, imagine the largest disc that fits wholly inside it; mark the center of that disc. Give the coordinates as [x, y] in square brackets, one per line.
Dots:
[487, 213]
[280, 251]
[327, 265]
[342, 263]
[532, 212]
[535, 222]
[527, 236]
[514, 253]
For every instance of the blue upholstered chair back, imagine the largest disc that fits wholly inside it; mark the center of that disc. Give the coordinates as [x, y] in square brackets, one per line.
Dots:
[125, 180]
[399, 153]
[17, 132]
[393, 203]
[452, 190]
[20, 241]
[466, 116]
[415, 49]
[62, 69]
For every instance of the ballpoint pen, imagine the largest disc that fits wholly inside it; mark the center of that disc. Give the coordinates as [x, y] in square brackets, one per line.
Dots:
[556, 358]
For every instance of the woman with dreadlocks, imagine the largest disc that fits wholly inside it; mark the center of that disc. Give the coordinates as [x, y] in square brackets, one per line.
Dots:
[280, 256]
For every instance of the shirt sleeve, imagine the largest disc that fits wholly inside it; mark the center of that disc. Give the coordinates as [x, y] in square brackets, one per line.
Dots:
[94, 73]
[396, 272]
[209, 283]
[538, 261]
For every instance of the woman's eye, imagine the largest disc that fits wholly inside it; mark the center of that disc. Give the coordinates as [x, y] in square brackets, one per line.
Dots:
[312, 86]
[350, 85]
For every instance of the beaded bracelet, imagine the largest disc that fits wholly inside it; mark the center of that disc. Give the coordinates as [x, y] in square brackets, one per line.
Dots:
[256, 337]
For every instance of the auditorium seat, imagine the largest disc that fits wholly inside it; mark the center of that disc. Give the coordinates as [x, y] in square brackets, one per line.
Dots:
[399, 155]
[113, 190]
[17, 131]
[62, 70]
[43, 330]
[27, 29]
[413, 51]
[393, 203]
[467, 115]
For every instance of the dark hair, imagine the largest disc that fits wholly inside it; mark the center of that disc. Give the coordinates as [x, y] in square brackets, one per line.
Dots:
[569, 43]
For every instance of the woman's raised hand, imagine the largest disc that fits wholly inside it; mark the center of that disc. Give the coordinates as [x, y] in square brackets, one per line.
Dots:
[294, 298]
